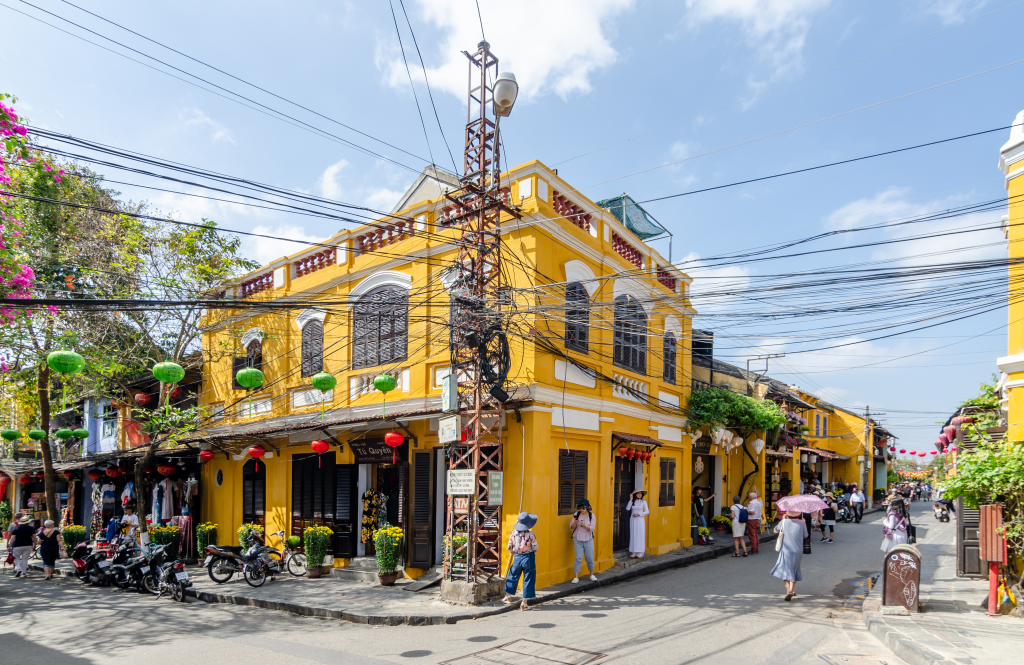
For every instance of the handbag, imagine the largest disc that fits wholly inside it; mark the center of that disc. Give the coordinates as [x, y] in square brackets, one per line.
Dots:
[911, 534]
[778, 542]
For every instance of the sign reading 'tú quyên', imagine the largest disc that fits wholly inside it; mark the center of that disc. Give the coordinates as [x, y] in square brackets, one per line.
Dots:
[461, 482]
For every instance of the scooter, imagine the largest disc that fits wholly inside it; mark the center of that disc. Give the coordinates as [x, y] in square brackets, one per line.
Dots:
[173, 578]
[223, 561]
[845, 513]
[78, 557]
[941, 512]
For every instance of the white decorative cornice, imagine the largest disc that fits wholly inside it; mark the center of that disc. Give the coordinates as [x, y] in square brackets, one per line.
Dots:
[1011, 364]
[250, 335]
[380, 278]
[1013, 150]
[578, 271]
[307, 315]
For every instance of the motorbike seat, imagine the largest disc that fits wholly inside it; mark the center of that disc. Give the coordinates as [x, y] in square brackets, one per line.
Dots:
[237, 549]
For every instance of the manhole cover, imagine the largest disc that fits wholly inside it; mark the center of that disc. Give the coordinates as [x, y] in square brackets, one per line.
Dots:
[526, 652]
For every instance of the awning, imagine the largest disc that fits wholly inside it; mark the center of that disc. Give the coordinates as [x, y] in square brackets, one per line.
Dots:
[820, 453]
[778, 453]
[636, 438]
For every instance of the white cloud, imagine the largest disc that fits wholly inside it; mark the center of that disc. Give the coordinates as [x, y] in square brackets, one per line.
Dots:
[196, 118]
[266, 250]
[953, 11]
[382, 199]
[775, 30]
[551, 46]
[328, 184]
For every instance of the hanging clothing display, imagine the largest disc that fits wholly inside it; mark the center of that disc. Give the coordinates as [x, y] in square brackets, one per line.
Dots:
[96, 521]
[128, 495]
[166, 494]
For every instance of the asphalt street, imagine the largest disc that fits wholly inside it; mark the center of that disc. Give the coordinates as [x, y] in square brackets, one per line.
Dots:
[729, 610]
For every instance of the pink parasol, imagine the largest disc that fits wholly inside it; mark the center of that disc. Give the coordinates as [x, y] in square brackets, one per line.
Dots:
[801, 503]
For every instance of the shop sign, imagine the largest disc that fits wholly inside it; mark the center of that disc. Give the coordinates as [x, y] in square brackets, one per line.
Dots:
[702, 446]
[371, 451]
[461, 505]
[461, 482]
[449, 429]
[495, 487]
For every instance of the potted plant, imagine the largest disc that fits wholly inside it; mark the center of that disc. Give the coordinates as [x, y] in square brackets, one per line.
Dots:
[249, 535]
[72, 535]
[702, 534]
[206, 534]
[317, 539]
[166, 535]
[6, 515]
[721, 522]
[386, 542]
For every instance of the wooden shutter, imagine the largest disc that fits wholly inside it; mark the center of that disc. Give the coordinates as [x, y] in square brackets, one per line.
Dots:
[667, 492]
[669, 357]
[572, 479]
[312, 348]
[421, 554]
[577, 317]
[345, 527]
[237, 365]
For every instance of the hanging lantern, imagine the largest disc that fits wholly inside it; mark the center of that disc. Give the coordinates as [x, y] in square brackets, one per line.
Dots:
[142, 399]
[5, 480]
[385, 383]
[69, 474]
[176, 393]
[902, 451]
[64, 433]
[256, 452]
[80, 433]
[168, 372]
[319, 447]
[250, 378]
[94, 474]
[112, 471]
[945, 450]
[325, 383]
[166, 469]
[935, 452]
[943, 438]
[921, 454]
[206, 455]
[125, 469]
[953, 449]
[648, 456]
[117, 404]
[40, 475]
[11, 434]
[812, 458]
[622, 451]
[25, 480]
[36, 434]
[803, 458]
[65, 362]
[393, 440]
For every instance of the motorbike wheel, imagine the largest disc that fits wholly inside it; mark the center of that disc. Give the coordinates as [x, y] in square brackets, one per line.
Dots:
[222, 575]
[149, 585]
[120, 578]
[178, 591]
[255, 574]
[297, 564]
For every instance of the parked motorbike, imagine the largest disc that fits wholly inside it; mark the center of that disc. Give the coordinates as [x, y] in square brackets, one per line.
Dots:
[223, 561]
[845, 513]
[941, 512]
[262, 565]
[78, 557]
[171, 576]
[93, 568]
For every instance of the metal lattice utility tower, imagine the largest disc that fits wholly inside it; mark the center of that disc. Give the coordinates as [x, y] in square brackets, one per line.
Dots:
[479, 346]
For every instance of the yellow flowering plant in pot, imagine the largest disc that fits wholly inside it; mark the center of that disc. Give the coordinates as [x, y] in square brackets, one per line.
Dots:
[72, 534]
[206, 534]
[387, 541]
[317, 539]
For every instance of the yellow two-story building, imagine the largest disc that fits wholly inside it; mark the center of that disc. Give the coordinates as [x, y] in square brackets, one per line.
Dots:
[599, 332]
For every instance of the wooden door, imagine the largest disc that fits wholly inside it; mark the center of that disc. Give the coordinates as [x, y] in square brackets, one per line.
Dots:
[968, 544]
[625, 477]
[346, 530]
[421, 547]
[314, 495]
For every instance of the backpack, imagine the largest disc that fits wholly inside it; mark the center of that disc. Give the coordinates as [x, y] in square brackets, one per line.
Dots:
[744, 516]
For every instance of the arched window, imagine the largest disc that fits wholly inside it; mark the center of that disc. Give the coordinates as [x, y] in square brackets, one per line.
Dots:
[253, 358]
[312, 348]
[669, 356]
[380, 324]
[629, 343]
[254, 484]
[577, 317]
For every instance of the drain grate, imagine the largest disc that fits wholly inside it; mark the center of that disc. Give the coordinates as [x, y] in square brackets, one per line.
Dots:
[528, 652]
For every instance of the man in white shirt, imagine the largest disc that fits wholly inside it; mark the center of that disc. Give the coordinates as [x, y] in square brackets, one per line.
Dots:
[753, 521]
[857, 499]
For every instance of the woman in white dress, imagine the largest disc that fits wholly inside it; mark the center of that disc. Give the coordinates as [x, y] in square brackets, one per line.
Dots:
[738, 528]
[894, 527]
[637, 509]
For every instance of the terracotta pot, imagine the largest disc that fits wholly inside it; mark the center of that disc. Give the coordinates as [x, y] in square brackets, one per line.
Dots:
[314, 572]
[387, 580]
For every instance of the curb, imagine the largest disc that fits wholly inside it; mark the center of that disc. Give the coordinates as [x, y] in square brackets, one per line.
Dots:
[897, 641]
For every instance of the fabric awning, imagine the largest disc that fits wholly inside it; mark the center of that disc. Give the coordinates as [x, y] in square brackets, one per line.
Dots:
[778, 453]
[820, 453]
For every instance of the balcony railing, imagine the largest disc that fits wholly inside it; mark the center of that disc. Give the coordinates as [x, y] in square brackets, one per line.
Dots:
[666, 278]
[571, 211]
[310, 264]
[383, 236]
[259, 283]
[627, 388]
[627, 251]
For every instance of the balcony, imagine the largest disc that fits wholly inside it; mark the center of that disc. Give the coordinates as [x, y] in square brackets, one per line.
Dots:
[627, 251]
[572, 212]
[264, 282]
[666, 279]
[383, 236]
[313, 262]
[627, 388]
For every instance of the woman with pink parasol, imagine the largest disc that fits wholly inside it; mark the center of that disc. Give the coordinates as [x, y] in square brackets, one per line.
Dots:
[792, 530]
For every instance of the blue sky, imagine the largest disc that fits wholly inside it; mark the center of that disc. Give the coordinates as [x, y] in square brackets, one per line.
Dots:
[704, 73]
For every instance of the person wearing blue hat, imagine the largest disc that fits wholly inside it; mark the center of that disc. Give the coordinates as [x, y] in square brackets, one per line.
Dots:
[522, 544]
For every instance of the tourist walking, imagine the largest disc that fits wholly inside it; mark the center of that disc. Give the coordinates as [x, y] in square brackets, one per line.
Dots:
[522, 544]
[828, 517]
[51, 545]
[792, 530]
[637, 509]
[895, 525]
[582, 528]
[20, 543]
[857, 500]
[739, 526]
[754, 522]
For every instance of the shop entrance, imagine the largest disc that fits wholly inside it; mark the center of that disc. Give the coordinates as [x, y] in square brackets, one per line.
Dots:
[704, 480]
[625, 481]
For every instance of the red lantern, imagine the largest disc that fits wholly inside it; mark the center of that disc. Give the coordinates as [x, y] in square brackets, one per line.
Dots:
[648, 456]
[622, 451]
[69, 474]
[125, 469]
[921, 454]
[393, 440]
[176, 393]
[150, 469]
[117, 404]
[945, 450]
[206, 455]
[903, 450]
[943, 438]
[953, 449]
[256, 452]
[166, 469]
[40, 475]
[142, 399]
[25, 480]
[320, 447]
[935, 452]
[94, 474]
[5, 480]
[112, 471]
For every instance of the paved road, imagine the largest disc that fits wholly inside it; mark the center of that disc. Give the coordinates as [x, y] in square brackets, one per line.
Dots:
[722, 611]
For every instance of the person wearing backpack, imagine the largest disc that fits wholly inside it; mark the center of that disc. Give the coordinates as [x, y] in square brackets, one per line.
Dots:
[582, 527]
[739, 525]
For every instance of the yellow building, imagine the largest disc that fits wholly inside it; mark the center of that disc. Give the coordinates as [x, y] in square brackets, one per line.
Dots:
[1011, 162]
[599, 339]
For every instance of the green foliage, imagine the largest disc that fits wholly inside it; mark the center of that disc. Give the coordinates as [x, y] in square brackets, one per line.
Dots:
[72, 535]
[716, 406]
[988, 396]
[317, 538]
[387, 541]
[6, 514]
[206, 534]
[249, 535]
[993, 473]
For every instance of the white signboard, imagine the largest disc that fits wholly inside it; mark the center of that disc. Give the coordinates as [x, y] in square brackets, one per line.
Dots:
[449, 429]
[495, 487]
[449, 393]
[461, 482]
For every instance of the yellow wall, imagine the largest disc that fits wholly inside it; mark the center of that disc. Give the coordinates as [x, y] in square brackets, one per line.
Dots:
[1015, 330]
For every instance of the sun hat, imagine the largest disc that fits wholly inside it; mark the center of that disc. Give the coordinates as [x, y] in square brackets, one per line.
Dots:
[25, 519]
[583, 502]
[830, 495]
[642, 493]
[526, 522]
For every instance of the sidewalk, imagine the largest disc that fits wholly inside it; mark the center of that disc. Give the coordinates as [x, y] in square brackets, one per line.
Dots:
[952, 628]
[366, 602]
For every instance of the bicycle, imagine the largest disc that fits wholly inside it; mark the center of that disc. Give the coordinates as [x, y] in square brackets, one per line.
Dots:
[293, 560]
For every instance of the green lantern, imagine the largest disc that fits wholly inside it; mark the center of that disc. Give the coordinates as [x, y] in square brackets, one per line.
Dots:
[36, 434]
[250, 378]
[65, 362]
[81, 433]
[168, 372]
[10, 434]
[64, 433]
[385, 383]
[323, 382]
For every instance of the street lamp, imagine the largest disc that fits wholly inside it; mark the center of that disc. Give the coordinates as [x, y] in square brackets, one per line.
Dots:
[505, 91]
